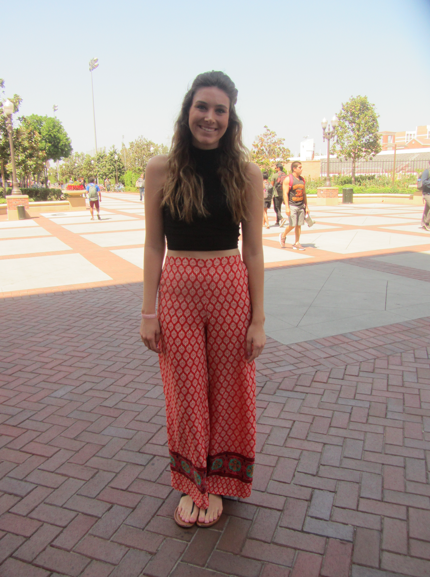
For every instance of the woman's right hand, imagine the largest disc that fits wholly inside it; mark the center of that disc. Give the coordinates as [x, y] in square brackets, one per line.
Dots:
[150, 334]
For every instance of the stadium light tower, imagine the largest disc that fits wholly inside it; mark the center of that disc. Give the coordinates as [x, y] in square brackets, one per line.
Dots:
[94, 63]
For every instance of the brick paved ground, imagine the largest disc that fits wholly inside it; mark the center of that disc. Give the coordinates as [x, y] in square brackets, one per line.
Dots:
[341, 486]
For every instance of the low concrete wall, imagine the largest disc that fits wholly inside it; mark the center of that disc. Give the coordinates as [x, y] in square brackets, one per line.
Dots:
[35, 208]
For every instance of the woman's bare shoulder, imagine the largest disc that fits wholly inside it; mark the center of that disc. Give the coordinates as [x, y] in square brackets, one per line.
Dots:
[253, 172]
[157, 165]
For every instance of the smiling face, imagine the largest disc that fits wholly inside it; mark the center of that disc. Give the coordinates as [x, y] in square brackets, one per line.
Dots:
[208, 117]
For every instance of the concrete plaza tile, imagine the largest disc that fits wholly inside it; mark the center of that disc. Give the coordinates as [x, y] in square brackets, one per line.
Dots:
[103, 226]
[282, 255]
[86, 217]
[132, 255]
[289, 335]
[27, 246]
[289, 314]
[23, 232]
[117, 238]
[47, 271]
[366, 220]
[319, 314]
[411, 311]
[350, 324]
[65, 214]
[418, 260]
[6, 224]
[415, 228]
[356, 241]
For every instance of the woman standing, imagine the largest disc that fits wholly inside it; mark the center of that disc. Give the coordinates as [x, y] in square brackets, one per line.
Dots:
[268, 193]
[209, 325]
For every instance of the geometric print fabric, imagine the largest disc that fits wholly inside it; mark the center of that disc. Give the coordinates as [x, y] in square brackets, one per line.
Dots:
[204, 311]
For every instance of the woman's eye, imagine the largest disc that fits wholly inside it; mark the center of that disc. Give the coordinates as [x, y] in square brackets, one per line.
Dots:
[221, 111]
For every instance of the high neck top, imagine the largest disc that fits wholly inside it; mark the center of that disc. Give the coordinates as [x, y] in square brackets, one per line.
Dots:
[217, 231]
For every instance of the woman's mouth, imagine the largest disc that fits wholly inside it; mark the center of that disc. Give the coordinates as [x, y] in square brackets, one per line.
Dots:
[207, 129]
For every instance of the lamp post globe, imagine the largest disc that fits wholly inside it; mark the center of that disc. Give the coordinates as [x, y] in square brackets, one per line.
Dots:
[8, 108]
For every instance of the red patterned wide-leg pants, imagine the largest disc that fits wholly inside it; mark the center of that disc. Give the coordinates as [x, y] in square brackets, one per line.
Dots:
[204, 310]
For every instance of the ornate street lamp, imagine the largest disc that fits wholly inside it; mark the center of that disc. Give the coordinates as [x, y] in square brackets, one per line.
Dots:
[8, 110]
[329, 132]
[94, 63]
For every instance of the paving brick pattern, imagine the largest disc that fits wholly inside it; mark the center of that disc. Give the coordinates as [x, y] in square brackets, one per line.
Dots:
[341, 485]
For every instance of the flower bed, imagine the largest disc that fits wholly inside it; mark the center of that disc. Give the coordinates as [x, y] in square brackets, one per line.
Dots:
[75, 187]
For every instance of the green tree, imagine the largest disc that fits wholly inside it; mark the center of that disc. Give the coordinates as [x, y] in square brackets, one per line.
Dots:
[72, 167]
[30, 158]
[138, 153]
[4, 135]
[357, 132]
[268, 149]
[54, 139]
[110, 165]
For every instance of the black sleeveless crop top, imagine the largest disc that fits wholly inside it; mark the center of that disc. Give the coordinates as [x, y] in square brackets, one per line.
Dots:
[217, 231]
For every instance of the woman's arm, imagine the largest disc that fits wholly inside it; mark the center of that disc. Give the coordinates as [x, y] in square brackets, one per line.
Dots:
[252, 253]
[154, 249]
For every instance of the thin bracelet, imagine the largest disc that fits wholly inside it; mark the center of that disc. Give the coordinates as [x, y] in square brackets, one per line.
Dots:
[151, 316]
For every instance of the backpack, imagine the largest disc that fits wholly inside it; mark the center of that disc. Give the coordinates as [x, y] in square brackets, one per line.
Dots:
[268, 192]
[92, 192]
[279, 183]
[292, 180]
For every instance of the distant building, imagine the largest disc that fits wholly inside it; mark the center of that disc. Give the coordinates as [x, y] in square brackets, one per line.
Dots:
[418, 138]
[307, 149]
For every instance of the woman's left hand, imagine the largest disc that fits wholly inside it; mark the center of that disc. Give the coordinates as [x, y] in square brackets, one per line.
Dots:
[255, 341]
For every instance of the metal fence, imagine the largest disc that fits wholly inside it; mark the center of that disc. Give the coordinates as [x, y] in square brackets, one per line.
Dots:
[377, 167]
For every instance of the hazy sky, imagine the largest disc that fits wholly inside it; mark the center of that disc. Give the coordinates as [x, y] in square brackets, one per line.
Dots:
[292, 62]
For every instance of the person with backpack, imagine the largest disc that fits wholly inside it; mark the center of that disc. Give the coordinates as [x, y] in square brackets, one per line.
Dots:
[296, 204]
[268, 193]
[95, 197]
[278, 194]
[140, 184]
[424, 186]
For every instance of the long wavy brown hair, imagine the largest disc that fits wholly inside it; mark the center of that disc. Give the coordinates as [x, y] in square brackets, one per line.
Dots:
[183, 190]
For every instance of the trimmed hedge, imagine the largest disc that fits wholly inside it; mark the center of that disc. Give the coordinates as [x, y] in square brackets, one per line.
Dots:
[40, 194]
[368, 190]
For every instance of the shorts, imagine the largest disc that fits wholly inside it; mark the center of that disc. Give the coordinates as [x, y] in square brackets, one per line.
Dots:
[95, 203]
[297, 215]
[267, 203]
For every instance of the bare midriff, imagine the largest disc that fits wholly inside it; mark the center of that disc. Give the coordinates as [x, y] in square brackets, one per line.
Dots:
[202, 253]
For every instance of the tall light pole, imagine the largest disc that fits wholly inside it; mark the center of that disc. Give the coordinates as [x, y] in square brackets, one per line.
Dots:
[55, 108]
[116, 169]
[125, 153]
[329, 132]
[94, 63]
[8, 110]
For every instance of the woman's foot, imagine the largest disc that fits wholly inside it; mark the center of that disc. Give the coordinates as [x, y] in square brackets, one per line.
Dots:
[186, 512]
[298, 246]
[212, 514]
